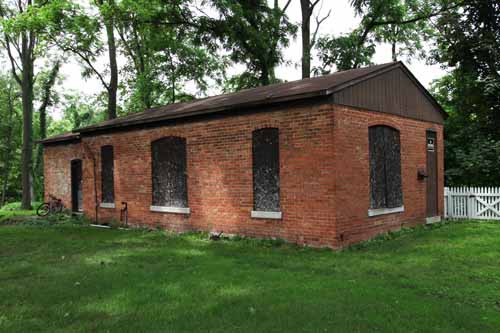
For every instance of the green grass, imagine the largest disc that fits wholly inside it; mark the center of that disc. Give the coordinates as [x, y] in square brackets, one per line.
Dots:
[68, 278]
[13, 210]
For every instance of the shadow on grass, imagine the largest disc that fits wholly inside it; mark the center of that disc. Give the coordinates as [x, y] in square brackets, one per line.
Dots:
[82, 279]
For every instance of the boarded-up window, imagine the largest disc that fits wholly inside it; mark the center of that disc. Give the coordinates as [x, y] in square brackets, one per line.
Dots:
[107, 174]
[169, 172]
[266, 170]
[385, 167]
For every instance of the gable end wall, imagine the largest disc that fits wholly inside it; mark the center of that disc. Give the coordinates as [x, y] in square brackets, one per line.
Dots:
[392, 92]
[352, 188]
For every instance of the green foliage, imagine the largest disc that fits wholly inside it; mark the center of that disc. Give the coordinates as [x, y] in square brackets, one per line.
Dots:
[78, 110]
[255, 35]
[16, 206]
[470, 40]
[167, 48]
[10, 139]
[13, 213]
[403, 23]
[244, 80]
[84, 279]
[343, 53]
[177, 50]
[68, 25]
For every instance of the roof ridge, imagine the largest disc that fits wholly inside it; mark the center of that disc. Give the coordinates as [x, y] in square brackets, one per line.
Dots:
[163, 108]
[247, 98]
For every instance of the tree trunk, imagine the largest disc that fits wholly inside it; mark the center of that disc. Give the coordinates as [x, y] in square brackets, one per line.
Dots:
[264, 76]
[306, 38]
[394, 54]
[42, 114]
[113, 67]
[27, 101]
[141, 70]
[24, 77]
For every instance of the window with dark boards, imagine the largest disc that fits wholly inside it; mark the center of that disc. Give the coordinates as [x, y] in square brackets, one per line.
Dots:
[107, 174]
[169, 172]
[266, 170]
[385, 168]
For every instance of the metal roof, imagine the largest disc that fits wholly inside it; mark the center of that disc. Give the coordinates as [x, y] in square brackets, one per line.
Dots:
[265, 95]
[68, 136]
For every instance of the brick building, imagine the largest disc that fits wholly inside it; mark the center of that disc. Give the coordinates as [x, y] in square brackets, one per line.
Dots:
[326, 161]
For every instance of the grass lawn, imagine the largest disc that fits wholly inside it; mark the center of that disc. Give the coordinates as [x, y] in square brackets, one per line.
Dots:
[6, 214]
[70, 278]
[13, 210]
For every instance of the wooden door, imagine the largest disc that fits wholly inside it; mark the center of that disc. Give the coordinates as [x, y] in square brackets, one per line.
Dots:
[432, 179]
[76, 186]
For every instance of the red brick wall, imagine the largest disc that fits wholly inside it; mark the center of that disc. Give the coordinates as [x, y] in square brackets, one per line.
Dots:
[324, 174]
[57, 170]
[353, 173]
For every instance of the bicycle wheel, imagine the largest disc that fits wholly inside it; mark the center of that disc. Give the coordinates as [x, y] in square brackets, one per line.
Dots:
[43, 209]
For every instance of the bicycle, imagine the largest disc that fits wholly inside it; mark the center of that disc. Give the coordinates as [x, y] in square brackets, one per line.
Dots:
[53, 206]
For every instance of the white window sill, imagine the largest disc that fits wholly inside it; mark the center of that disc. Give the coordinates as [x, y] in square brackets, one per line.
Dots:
[176, 210]
[383, 211]
[107, 205]
[257, 214]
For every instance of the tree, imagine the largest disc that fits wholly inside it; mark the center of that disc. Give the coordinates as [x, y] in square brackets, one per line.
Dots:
[469, 41]
[343, 52]
[77, 30]
[307, 9]
[167, 46]
[47, 99]
[20, 42]
[107, 8]
[405, 39]
[254, 34]
[403, 22]
[10, 135]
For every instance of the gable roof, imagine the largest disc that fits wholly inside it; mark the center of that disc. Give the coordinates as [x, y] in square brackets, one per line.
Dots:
[265, 95]
[65, 137]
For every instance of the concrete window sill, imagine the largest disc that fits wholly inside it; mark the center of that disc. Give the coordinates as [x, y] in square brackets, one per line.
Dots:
[175, 210]
[383, 211]
[110, 205]
[257, 214]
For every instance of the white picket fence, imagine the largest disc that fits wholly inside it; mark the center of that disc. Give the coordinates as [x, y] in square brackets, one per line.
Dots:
[482, 203]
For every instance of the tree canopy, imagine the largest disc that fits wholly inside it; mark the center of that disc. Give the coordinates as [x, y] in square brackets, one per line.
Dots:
[146, 53]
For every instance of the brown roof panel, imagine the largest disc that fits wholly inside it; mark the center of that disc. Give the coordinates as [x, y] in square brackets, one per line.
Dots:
[249, 97]
[265, 95]
[68, 136]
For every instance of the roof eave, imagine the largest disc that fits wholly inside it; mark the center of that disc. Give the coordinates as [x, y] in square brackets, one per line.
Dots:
[268, 101]
[56, 140]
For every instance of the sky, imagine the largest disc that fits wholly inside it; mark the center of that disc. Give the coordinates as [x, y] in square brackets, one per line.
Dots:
[342, 20]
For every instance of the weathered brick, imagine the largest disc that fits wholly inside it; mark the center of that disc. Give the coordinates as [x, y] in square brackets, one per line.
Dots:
[324, 174]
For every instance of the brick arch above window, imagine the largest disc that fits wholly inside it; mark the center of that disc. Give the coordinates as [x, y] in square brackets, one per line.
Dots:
[384, 123]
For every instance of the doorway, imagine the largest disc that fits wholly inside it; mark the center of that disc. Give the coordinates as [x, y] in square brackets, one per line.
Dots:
[76, 186]
[432, 180]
